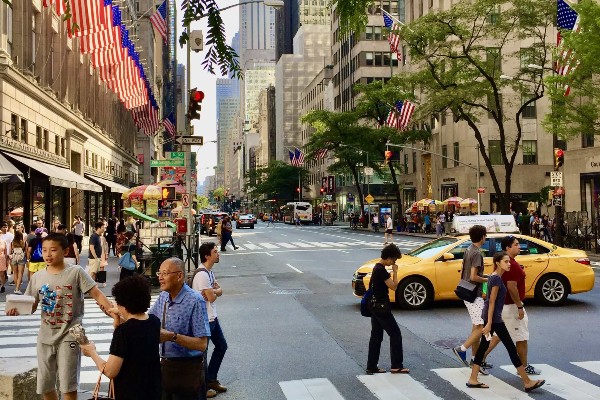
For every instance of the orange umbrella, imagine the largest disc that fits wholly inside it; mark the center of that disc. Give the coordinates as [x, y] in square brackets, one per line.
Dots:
[143, 192]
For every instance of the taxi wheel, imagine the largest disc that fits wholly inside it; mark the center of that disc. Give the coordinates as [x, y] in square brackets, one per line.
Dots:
[414, 293]
[552, 290]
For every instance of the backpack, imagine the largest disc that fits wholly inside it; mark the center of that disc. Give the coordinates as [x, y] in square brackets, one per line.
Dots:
[36, 254]
[190, 280]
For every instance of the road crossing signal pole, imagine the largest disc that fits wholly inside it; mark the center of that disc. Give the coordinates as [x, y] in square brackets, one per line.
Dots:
[559, 155]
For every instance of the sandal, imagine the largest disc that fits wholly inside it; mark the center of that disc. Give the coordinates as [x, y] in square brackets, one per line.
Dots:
[477, 385]
[400, 371]
[375, 371]
[537, 385]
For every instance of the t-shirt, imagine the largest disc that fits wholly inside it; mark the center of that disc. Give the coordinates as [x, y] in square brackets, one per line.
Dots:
[137, 343]
[8, 238]
[204, 280]
[388, 223]
[516, 274]
[97, 243]
[78, 228]
[378, 277]
[68, 286]
[494, 280]
[473, 258]
[36, 249]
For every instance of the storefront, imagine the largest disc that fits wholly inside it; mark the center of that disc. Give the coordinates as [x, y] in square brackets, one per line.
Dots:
[107, 204]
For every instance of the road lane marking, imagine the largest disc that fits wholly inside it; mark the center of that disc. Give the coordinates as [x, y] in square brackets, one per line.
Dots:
[563, 384]
[251, 246]
[499, 390]
[294, 268]
[286, 245]
[269, 254]
[593, 366]
[300, 244]
[396, 386]
[269, 245]
[310, 389]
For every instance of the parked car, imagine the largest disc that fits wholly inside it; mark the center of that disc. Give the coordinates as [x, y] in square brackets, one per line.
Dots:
[432, 271]
[244, 221]
[253, 218]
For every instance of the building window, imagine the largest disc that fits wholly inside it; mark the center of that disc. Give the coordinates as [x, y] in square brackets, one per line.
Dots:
[405, 163]
[494, 152]
[414, 161]
[493, 59]
[378, 59]
[56, 145]
[444, 156]
[46, 139]
[39, 143]
[369, 58]
[530, 56]
[377, 33]
[529, 152]
[23, 133]
[456, 154]
[403, 55]
[14, 126]
[369, 33]
[529, 111]
[33, 43]
[87, 158]
[494, 16]
[387, 59]
[395, 59]
[587, 140]
[63, 147]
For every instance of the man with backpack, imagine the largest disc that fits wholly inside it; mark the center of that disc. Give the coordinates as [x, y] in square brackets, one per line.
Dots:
[35, 258]
[204, 282]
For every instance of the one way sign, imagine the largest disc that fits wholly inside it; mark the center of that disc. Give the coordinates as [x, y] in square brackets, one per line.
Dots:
[190, 140]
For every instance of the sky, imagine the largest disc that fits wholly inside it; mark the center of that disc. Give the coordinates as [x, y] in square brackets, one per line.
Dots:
[203, 80]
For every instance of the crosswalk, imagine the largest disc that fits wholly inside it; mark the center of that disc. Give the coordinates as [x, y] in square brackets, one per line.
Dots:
[312, 244]
[388, 386]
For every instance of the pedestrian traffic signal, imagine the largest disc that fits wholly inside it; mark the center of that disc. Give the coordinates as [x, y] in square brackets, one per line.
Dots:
[559, 158]
[194, 106]
[388, 155]
[168, 193]
[322, 190]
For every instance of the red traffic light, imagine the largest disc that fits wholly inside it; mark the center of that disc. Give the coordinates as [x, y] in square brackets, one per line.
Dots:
[322, 190]
[298, 189]
[559, 152]
[198, 96]
[388, 154]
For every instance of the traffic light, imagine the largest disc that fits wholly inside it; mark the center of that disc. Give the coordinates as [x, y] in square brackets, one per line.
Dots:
[168, 193]
[298, 189]
[388, 156]
[559, 158]
[194, 107]
[322, 190]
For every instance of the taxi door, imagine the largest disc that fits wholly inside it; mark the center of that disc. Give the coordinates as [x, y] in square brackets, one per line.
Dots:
[534, 258]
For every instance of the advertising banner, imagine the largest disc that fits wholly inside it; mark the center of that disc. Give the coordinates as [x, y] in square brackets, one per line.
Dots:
[493, 223]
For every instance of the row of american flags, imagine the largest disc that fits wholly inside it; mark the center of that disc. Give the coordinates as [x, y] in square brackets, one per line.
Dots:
[104, 37]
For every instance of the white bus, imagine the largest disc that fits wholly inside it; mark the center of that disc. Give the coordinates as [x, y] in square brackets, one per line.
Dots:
[302, 208]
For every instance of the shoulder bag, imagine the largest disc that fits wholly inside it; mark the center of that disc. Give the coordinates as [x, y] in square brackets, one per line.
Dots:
[111, 389]
[126, 261]
[378, 307]
[466, 290]
[365, 301]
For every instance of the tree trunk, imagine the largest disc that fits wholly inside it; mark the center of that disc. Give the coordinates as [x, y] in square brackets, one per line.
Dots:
[358, 187]
[400, 211]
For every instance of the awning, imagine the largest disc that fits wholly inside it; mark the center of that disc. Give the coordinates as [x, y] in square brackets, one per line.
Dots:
[138, 214]
[8, 172]
[114, 186]
[59, 176]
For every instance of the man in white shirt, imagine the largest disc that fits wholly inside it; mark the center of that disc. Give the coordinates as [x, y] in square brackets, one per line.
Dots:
[389, 226]
[204, 282]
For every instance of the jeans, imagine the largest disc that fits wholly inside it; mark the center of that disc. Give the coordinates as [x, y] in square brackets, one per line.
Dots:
[78, 241]
[218, 339]
[500, 329]
[227, 238]
[386, 323]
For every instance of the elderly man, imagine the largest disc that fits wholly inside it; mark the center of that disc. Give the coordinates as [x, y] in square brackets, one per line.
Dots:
[184, 334]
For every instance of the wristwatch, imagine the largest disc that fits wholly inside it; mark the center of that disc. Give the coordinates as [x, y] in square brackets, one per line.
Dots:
[174, 338]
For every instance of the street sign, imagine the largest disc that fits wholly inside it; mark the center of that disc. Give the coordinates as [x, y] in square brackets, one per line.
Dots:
[190, 140]
[167, 163]
[480, 190]
[369, 199]
[175, 155]
[185, 200]
[556, 178]
[368, 171]
[557, 201]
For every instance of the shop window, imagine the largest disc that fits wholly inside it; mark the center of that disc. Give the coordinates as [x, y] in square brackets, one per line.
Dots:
[56, 145]
[46, 140]
[529, 152]
[529, 111]
[456, 154]
[414, 162]
[444, 156]
[39, 143]
[14, 126]
[23, 135]
[587, 140]
[494, 152]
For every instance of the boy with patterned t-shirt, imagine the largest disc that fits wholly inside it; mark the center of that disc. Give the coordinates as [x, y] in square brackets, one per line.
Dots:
[60, 287]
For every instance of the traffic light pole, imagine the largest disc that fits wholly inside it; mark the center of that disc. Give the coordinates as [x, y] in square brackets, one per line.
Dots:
[188, 148]
[558, 214]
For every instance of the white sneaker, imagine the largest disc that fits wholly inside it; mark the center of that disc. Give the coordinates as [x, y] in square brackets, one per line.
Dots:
[17, 292]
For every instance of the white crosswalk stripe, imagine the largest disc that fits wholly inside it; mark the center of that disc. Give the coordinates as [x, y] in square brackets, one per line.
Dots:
[304, 244]
[309, 389]
[593, 366]
[499, 390]
[400, 387]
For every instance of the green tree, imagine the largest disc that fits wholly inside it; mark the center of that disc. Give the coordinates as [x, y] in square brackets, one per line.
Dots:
[202, 202]
[457, 57]
[579, 112]
[219, 193]
[278, 181]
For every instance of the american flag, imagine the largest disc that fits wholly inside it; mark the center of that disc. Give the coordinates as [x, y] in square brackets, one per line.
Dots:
[60, 6]
[321, 154]
[299, 157]
[159, 20]
[393, 36]
[292, 158]
[393, 115]
[169, 125]
[406, 113]
[567, 19]
[86, 17]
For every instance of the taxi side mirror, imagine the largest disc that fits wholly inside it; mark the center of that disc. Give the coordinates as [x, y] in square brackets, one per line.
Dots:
[447, 257]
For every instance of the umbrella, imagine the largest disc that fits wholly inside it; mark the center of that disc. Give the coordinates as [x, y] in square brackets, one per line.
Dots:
[429, 202]
[179, 188]
[177, 210]
[453, 201]
[144, 192]
[468, 202]
[17, 212]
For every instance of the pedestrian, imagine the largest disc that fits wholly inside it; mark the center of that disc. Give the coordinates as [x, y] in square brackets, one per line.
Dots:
[184, 333]
[78, 228]
[389, 229]
[59, 286]
[427, 220]
[297, 219]
[4, 263]
[270, 221]
[121, 238]
[55, 225]
[381, 283]
[227, 233]
[134, 361]
[17, 260]
[375, 222]
[95, 254]
[205, 283]
[492, 317]
[105, 253]
[129, 246]
[513, 314]
[71, 253]
[472, 271]
[35, 256]
[438, 226]
[111, 236]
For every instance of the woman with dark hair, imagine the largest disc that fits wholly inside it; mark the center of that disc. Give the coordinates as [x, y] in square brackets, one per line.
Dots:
[121, 239]
[130, 247]
[134, 362]
[383, 320]
[111, 235]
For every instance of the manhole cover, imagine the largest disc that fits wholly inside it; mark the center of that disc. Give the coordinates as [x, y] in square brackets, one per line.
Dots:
[447, 343]
[291, 291]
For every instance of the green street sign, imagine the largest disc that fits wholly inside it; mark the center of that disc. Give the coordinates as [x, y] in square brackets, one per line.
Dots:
[167, 163]
[175, 155]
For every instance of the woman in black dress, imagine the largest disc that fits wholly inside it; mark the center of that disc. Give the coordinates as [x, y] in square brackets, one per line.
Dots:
[134, 361]
[383, 320]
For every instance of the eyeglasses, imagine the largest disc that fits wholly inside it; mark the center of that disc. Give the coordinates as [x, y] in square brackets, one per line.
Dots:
[159, 274]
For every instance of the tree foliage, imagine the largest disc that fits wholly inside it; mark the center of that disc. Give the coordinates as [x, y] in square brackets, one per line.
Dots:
[202, 202]
[277, 181]
[579, 112]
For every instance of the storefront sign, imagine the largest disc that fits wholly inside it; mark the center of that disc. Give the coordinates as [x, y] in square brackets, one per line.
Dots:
[492, 223]
[448, 180]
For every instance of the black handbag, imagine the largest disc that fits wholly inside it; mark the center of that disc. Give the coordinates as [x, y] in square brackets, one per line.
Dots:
[101, 276]
[380, 307]
[466, 291]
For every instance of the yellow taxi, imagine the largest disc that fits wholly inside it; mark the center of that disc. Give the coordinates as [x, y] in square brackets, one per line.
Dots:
[432, 271]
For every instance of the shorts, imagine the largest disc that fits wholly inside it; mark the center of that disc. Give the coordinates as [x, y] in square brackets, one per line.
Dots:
[518, 328]
[36, 266]
[94, 265]
[64, 359]
[475, 309]
[388, 231]
[15, 262]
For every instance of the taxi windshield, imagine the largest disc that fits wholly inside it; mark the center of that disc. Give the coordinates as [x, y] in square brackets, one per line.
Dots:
[432, 248]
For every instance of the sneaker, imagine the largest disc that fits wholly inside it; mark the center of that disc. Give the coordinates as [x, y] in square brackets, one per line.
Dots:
[530, 370]
[12, 283]
[483, 364]
[211, 393]
[483, 371]
[17, 292]
[216, 386]
[462, 355]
